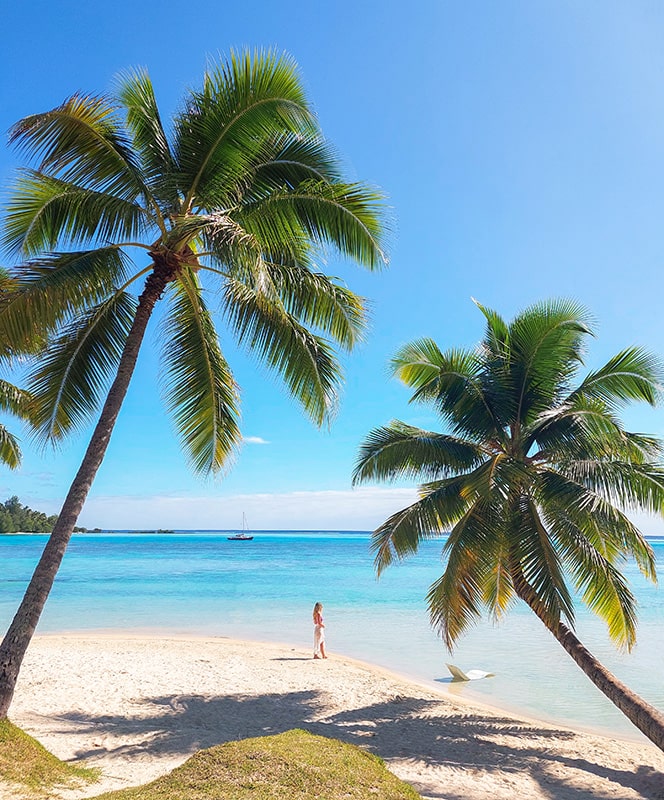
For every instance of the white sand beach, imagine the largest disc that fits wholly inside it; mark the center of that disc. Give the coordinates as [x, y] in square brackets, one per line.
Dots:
[138, 706]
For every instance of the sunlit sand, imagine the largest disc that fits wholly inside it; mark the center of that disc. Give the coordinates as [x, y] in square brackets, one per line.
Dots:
[138, 706]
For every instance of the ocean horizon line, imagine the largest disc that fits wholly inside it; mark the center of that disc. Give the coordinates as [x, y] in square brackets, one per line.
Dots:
[291, 531]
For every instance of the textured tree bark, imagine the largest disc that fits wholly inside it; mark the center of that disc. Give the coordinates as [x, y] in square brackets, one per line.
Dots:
[648, 719]
[22, 628]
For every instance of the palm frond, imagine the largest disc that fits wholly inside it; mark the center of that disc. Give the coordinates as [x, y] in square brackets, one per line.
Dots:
[498, 588]
[45, 213]
[68, 380]
[428, 518]
[533, 554]
[220, 134]
[603, 588]
[10, 451]
[304, 361]
[632, 374]
[399, 451]
[201, 394]
[546, 349]
[606, 527]
[455, 599]
[347, 216]
[496, 338]
[82, 142]
[42, 297]
[288, 160]
[452, 381]
[583, 429]
[441, 505]
[14, 400]
[626, 484]
[136, 93]
[318, 300]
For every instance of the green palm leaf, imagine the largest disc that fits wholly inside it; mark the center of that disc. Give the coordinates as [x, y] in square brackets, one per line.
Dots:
[46, 212]
[220, 134]
[136, 94]
[69, 378]
[82, 142]
[201, 393]
[452, 381]
[399, 451]
[341, 215]
[607, 528]
[546, 348]
[289, 160]
[455, 600]
[319, 301]
[14, 400]
[17, 402]
[535, 557]
[632, 374]
[42, 298]
[303, 360]
[10, 452]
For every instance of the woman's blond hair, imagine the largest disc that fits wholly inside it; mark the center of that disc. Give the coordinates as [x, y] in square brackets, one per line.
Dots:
[317, 609]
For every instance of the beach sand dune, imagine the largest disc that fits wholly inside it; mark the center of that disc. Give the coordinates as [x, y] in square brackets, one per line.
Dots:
[136, 707]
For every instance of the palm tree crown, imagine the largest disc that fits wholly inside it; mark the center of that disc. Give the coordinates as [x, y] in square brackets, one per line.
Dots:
[532, 481]
[239, 196]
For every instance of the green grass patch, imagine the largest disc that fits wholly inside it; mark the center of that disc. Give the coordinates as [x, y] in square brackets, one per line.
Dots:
[28, 765]
[296, 765]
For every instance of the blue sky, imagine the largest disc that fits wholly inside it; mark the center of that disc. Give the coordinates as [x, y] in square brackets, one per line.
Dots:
[520, 145]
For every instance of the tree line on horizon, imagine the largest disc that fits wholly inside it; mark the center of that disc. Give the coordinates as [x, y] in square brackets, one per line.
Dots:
[17, 518]
[241, 195]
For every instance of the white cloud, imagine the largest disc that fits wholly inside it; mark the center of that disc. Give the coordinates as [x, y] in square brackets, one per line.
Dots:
[354, 509]
[254, 440]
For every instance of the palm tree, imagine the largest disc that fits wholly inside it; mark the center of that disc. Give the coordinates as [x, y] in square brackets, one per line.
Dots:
[531, 482]
[240, 195]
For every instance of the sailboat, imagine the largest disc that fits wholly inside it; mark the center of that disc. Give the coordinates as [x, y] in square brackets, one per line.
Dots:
[243, 536]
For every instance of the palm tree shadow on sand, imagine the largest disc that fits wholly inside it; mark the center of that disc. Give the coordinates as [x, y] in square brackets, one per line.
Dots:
[404, 729]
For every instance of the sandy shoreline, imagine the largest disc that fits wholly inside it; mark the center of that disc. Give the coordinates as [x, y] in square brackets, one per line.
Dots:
[138, 706]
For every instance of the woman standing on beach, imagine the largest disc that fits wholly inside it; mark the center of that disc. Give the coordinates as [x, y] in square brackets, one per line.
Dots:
[319, 632]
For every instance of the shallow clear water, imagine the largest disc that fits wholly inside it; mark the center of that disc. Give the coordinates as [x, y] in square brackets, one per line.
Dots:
[265, 589]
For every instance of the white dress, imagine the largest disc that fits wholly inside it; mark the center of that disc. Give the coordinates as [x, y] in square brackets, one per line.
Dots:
[319, 636]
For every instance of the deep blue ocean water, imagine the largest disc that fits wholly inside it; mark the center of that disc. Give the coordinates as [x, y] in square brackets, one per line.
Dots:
[201, 583]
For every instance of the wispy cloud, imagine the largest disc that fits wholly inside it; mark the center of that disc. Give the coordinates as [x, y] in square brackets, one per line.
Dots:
[353, 509]
[254, 440]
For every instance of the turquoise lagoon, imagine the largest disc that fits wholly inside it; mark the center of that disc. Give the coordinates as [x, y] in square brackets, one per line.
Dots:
[201, 583]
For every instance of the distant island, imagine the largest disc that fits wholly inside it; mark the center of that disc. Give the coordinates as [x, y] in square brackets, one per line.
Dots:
[15, 518]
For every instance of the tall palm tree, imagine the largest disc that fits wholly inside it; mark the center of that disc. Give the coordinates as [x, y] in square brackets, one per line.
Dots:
[240, 195]
[531, 482]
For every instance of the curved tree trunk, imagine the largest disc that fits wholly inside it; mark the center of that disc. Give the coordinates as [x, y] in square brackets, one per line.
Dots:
[648, 719]
[22, 628]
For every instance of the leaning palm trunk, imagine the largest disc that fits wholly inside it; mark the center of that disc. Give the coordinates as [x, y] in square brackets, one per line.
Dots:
[22, 628]
[645, 717]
